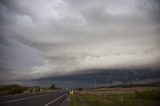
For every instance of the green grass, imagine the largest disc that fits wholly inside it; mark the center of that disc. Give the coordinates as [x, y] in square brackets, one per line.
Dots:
[148, 94]
[120, 100]
[143, 98]
[74, 101]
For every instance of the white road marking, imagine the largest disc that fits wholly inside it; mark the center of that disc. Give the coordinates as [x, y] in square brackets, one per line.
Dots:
[27, 98]
[14, 95]
[54, 100]
[22, 94]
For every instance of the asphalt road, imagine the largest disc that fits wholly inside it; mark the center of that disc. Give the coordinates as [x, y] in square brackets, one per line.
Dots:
[43, 99]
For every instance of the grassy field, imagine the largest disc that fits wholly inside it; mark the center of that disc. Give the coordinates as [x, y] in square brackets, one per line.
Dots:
[117, 97]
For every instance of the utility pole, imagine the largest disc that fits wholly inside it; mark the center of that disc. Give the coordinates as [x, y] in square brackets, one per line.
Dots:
[95, 84]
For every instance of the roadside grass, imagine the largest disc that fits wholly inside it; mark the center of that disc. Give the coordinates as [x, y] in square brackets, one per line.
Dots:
[148, 94]
[119, 100]
[74, 100]
[137, 98]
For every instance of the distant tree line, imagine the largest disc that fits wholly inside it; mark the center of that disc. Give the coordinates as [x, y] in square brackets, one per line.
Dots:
[17, 89]
[53, 87]
[12, 89]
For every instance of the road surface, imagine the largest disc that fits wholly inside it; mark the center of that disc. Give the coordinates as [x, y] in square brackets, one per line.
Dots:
[43, 99]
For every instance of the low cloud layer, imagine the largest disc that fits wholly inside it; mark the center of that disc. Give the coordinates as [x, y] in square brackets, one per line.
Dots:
[50, 38]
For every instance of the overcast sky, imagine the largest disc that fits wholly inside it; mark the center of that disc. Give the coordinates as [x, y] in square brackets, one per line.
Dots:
[50, 38]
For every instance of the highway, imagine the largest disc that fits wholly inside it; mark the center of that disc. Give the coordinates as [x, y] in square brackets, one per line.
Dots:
[41, 99]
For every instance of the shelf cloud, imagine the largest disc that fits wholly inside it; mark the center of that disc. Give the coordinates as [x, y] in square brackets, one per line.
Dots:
[50, 38]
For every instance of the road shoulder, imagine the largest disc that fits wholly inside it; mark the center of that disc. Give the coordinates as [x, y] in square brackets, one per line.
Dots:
[66, 102]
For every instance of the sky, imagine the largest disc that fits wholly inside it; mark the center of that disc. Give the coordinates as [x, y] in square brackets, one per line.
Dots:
[72, 42]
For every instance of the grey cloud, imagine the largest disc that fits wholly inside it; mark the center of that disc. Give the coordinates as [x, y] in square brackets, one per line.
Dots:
[19, 7]
[98, 15]
[45, 38]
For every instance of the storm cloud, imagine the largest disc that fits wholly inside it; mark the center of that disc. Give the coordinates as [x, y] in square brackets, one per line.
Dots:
[54, 38]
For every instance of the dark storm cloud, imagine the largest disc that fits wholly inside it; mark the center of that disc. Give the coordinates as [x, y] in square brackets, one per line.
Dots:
[104, 77]
[18, 7]
[152, 7]
[50, 38]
